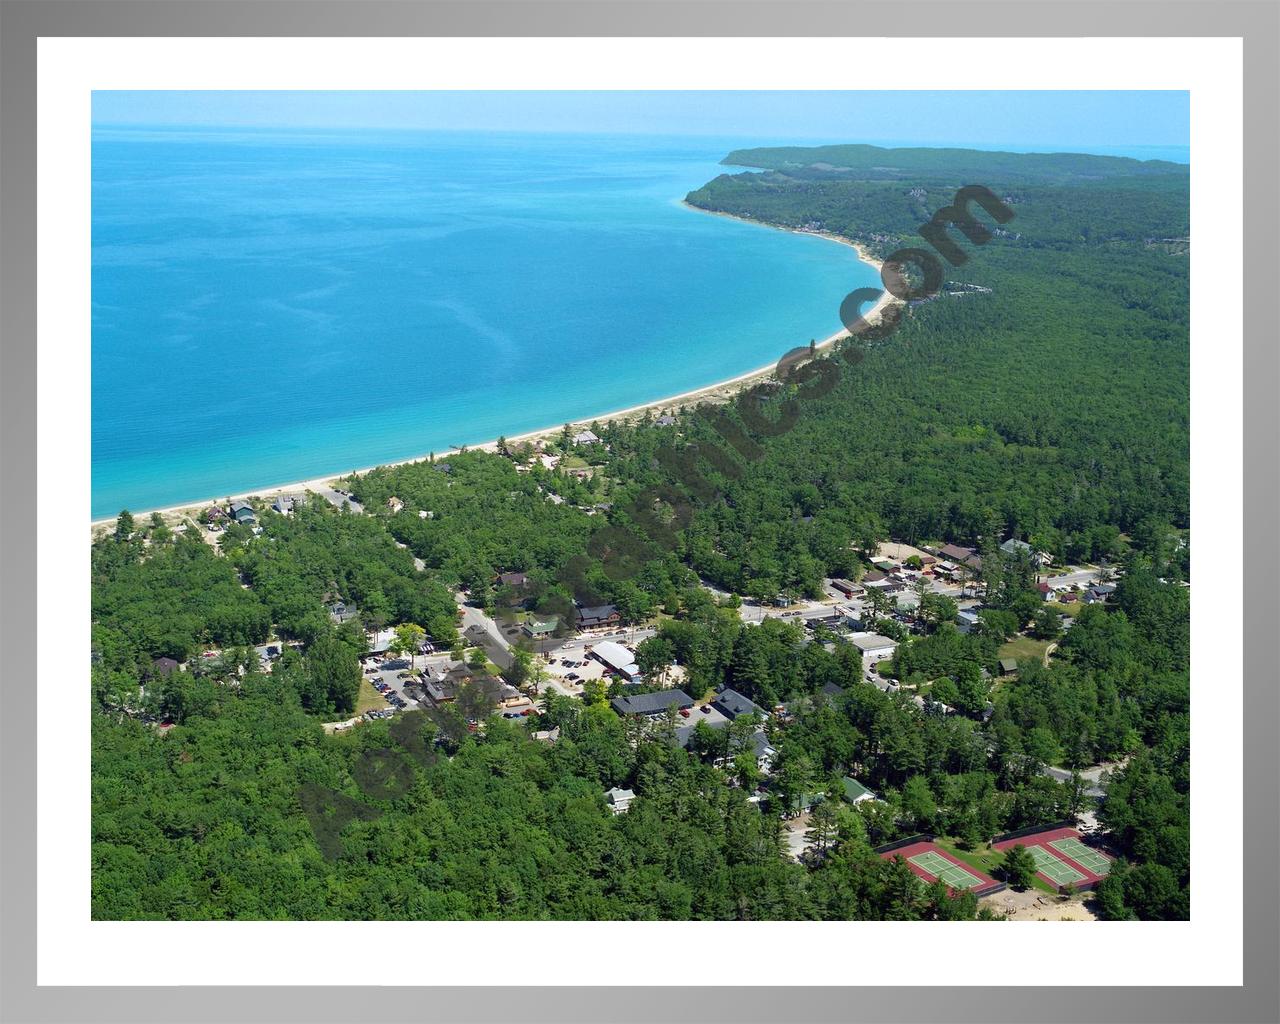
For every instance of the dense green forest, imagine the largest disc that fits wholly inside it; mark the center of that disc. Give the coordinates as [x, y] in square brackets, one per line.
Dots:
[1051, 407]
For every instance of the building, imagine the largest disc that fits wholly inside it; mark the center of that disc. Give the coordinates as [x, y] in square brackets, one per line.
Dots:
[512, 579]
[599, 615]
[873, 646]
[242, 512]
[619, 799]
[846, 587]
[585, 437]
[395, 504]
[652, 705]
[967, 620]
[963, 556]
[616, 658]
[665, 420]
[765, 754]
[855, 792]
[340, 612]
[547, 735]
[732, 704]
[1009, 666]
[163, 666]
[539, 630]
[283, 504]
[1013, 547]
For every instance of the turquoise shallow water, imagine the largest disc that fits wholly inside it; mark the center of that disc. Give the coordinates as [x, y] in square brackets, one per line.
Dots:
[271, 306]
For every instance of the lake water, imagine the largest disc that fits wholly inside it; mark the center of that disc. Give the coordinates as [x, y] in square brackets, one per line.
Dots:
[274, 306]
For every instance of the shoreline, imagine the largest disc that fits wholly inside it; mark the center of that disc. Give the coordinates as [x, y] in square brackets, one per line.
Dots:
[722, 390]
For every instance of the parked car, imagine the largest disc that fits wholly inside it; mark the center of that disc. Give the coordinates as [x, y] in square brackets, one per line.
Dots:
[684, 712]
[706, 709]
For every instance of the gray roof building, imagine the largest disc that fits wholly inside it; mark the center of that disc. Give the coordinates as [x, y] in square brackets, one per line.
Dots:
[731, 704]
[650, 704]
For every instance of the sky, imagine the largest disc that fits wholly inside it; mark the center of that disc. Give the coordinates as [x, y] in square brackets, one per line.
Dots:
[1096, 119]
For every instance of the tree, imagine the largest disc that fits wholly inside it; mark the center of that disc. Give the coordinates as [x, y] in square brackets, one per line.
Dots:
[335, 672]
[476, 658]
[653, 657]
[1018, 867]
[407, 640]
[124, 525]
[822, 826]
[1047, 624]
[795, 780]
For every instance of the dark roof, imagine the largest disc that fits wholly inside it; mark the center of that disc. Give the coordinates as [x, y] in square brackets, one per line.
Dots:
[1008, 665]
[651, 703]
[164, 665]
[597, 613]
[955, 553]
[731, 704]
[760, 743]
[832, 690]
[513, 579]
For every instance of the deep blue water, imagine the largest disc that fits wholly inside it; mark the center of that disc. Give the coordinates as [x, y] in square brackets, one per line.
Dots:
[273, 306]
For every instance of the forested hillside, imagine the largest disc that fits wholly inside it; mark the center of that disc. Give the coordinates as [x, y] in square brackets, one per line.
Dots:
[1052, 406]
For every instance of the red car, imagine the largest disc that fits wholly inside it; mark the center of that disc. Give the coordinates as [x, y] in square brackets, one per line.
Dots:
[684, 712]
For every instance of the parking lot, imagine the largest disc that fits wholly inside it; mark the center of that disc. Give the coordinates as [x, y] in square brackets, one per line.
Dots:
[399, 693]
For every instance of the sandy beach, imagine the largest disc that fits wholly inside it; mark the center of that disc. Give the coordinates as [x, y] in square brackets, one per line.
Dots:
[722, 391]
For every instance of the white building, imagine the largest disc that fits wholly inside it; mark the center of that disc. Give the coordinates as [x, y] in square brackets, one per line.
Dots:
[618, 658]
[619, 800]
[873, 646]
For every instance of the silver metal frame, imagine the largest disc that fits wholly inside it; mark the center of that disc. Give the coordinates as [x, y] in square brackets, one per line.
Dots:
[21, 23]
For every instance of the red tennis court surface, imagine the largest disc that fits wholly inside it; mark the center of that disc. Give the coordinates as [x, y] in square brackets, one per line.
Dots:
[930, 862]
[1063, 858]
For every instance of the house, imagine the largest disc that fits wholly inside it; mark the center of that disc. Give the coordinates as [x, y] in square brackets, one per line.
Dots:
[242, 512]
[764, 751]
[1045, 591]
[1009, 666]
[283, 504]
[665, 420]
[619, 799]
[163, 666]
[955, 553]
[652, 705]
[732, 704]
[340, 611]
[873, 646]
[539, 630]
[875, 578]
[616, 658]
[585, 437]
[512, 579]
[967, 620]
[547, 735]
[599, 615]
[1013, 547]
[214, 514]
[832, 691]
[855, 792]
[395, 504]
[963, 556]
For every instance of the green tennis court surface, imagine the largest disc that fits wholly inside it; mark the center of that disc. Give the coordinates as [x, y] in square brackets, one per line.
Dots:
[1057, 871]
[1082, 855]
[942, 869]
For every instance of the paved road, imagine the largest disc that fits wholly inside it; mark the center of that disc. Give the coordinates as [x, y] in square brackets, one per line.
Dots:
[334, 498]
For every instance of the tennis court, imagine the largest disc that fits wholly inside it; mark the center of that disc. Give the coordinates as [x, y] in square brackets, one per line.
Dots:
[1059, 872]
[1090, 860]
[941, 868]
